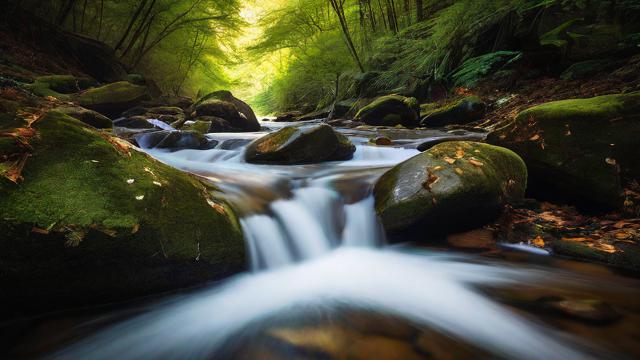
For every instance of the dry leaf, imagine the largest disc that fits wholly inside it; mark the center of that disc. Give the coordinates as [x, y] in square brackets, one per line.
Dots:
[449, 160]
[622, 235]
[437, 168]
[476, 163]
[459, 171]
[611, 161]
[535, 137]
[459, 153]
[538, 241]
[431, 179]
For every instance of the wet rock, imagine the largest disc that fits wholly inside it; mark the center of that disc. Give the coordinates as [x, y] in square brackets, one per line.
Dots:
[454, 186]
[299, 145]
[134, 122]
[112, 99]
[92, 209]
[426, 145]
[228, 112]
[199, 126]
[587, 310]
[233, 144]
[177, 140]
[87, 116]
[463, 111]
[382, 141]
[289, 116]
[584, 69]
[390, 110]
[250, 122]
[579, 150]
[165, 110]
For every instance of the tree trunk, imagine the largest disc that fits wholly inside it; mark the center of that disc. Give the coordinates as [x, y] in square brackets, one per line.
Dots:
[64, 12]
[339, 10]
[132, 21]
[139, 29]
[419, 10]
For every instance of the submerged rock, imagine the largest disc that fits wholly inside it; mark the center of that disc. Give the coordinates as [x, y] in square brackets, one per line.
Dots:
[96, 221]
[452, 187]
[112, 99]
[177, 140]
[87, 116]
[580, 150]
[463, 111]
[390, 110]
[299, 145]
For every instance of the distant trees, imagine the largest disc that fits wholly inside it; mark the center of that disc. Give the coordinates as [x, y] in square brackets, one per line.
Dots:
[169, 38]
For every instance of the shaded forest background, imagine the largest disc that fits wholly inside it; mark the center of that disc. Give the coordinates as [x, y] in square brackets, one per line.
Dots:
[306, 55]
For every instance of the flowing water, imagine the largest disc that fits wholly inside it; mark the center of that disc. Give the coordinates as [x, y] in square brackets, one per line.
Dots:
[319, 266]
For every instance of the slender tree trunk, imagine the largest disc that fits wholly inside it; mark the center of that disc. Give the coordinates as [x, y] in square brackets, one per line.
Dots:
[84, 13]
[139, 29]
[335, 98]
[132, 21]
[339, 10]
[100, 19]
[64, 12]
[419, 10]
[382, 15]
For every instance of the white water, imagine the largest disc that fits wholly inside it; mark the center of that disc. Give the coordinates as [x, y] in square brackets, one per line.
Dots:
[313, 243]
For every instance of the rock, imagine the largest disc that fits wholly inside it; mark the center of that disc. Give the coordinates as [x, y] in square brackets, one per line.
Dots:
[228, 112]
[314, 115]
[579, 150]
[176, 140]
[452, 187]
[289, 116]
[463, 111]
[136, 79]
[225, 95]
[199, 126]
[92, 209]
[97, 59]
[233, 144]
[59, 86]
[112, 99]
[218, 125]
[390, 110]
[343, 107]
[165, 110]
[587, 310]
[426, 145]
[134, 122]
[585, 69]
[299, 145]
[382, 141]
[88, 117]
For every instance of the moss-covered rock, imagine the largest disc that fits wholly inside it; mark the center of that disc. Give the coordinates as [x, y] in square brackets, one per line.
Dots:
[87, 116]
[463, 111]
[299, 145]
[112, 99]
[581, 150]
[227, 111]
[227, 96]
[390, 110]
[59, 86]
[96, 221]
[452, 187]
[136, 79]
[199, 126]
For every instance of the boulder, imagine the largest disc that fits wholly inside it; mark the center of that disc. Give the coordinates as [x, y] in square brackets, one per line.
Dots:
[390, 110]
[112, 99]
[174, 140]
[228, 112]
[452, 187]
[59, 86]
[199, 126]
[463, 111]
[300, 145]
[95, 221]
[580, 150]
[87, 116]
[225, 95]
[288, 116]
[134, 122]
[95, 58]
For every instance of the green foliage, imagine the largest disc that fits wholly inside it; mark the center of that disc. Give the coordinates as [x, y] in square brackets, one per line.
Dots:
[474, 69]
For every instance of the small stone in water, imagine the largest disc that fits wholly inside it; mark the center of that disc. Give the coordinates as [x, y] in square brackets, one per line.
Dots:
[589, 310]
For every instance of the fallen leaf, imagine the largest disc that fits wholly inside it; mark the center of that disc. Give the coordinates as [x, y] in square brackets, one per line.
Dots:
[449, 160]
[476, 163]
[459, 153]
[538, 241]
[611, 161]
[535, 137]
[576, 239]
[459, 171]
[431, 179]
[135, 228]
[437, 168]
[140, 197]
[157, 183]
[622, 235]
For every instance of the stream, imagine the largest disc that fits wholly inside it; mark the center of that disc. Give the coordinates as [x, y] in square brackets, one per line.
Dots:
[324, 283]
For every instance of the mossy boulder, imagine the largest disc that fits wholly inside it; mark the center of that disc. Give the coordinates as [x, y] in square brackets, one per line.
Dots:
[59, 86]
[390, 110]
[199, 126]
[112, 99]
[87, 116]
[451, 187]
[462, 111]
[96, 221]
[580, 150]
[227, 111]
[300, 145]
[242, 107]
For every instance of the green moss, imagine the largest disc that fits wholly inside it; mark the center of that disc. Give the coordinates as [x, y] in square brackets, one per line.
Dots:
[462, 111]
[584, 148]
[201, 127]
[390, 110]
[59, 86]
[112, 99]
[453, 186]
[75, 179]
